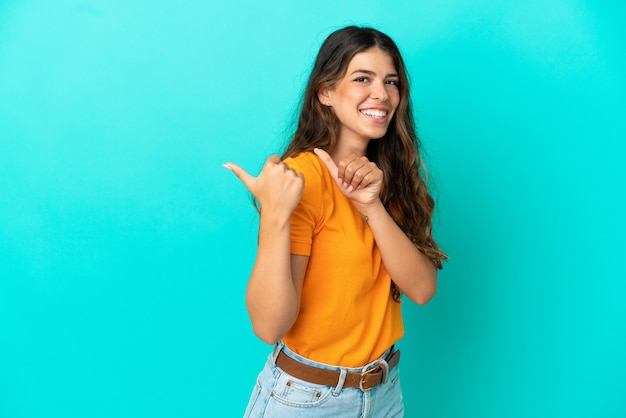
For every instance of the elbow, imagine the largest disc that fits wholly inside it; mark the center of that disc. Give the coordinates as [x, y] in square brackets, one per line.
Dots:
[423, 294]
[424, 297]
[271, 323]
[270, 330]
[268, 336]
[426, 291]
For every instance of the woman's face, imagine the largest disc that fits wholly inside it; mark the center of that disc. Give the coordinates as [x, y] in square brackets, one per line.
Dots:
[366, 98]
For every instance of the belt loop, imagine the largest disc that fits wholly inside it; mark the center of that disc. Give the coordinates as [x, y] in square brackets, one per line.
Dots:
[279, 346]
[342, 380]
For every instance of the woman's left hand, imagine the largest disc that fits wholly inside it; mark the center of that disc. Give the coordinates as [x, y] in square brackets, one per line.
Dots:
[357, 177]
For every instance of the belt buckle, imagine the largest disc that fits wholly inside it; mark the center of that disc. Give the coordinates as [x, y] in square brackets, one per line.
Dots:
[385, 370]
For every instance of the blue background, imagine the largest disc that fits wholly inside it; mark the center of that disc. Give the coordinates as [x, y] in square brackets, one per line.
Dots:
[125, 246]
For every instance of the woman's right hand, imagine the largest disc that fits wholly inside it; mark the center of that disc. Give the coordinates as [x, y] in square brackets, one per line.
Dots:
[275, 285]
[278, 188]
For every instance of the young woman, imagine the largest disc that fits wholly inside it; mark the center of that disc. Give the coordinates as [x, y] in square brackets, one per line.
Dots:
[345, 229]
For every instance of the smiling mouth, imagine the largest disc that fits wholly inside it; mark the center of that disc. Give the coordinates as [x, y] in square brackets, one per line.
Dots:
[376, 114]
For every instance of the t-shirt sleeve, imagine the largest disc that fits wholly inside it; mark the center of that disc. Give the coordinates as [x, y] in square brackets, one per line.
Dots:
[306, 215]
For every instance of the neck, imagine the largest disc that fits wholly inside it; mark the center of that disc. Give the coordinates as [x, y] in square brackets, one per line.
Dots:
[346, 148]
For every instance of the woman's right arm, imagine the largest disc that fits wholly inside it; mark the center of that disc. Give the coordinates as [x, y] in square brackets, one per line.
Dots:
[275, 285]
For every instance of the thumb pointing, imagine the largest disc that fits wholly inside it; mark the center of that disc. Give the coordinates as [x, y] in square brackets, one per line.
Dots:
[328, 161]
[242, 174]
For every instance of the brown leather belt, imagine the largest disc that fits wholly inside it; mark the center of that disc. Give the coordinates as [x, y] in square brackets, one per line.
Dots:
[365, 380]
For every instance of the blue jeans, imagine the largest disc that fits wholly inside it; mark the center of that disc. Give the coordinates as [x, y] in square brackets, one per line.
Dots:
[278, 394]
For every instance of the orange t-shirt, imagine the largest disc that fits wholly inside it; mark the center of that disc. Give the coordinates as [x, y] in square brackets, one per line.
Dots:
[347, 315]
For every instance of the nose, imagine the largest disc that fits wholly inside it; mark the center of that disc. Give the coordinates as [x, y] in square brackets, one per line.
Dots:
[379, 92]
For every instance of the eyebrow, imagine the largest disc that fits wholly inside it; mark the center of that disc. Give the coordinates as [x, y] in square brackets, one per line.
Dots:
[370, 72]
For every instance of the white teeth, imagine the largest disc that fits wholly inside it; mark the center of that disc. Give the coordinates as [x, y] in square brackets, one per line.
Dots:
[374, 113]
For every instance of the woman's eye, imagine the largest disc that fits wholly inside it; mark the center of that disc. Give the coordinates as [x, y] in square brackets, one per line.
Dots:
[393, 82]
[361, 79]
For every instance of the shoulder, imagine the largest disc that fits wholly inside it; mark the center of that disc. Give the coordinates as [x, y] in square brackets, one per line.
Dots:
[305, 160]
[309, 165]
[317, 181]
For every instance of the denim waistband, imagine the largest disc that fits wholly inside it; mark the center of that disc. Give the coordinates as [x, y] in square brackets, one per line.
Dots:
[280, 346]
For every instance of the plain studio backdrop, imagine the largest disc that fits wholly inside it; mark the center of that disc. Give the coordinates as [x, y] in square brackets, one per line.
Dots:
[125, 247]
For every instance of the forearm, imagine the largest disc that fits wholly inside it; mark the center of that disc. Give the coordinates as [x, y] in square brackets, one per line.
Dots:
[272, 298]
[413, 272]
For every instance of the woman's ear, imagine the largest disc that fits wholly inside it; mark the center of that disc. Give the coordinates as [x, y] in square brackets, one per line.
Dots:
[324, 96]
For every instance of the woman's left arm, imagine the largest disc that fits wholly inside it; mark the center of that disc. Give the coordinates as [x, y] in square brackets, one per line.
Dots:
[360, 180]
[412, 271]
